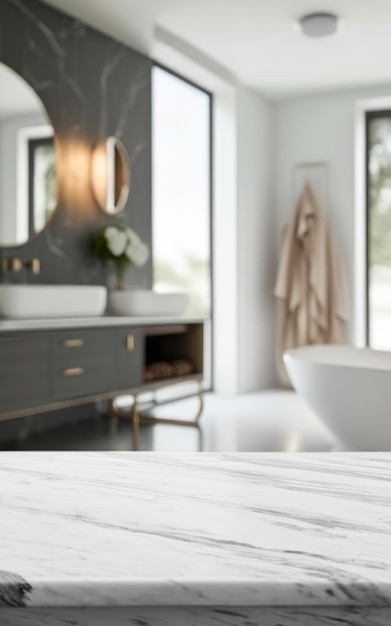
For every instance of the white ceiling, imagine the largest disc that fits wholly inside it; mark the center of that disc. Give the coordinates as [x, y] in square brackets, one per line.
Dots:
[256, 39]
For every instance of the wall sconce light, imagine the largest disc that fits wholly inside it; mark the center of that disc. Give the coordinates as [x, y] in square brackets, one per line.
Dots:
[110, 175]
[74, 178]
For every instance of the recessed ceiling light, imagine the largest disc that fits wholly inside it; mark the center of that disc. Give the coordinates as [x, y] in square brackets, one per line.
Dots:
[319, 24]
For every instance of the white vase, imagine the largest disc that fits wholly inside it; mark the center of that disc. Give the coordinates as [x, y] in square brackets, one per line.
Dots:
[146, 303]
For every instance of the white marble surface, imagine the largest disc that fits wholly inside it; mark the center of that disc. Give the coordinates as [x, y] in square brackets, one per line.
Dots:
[91, 322]
[90, 530]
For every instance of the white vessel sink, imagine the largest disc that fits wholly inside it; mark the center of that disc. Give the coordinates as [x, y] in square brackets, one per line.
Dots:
[51, 301]
[146, 303]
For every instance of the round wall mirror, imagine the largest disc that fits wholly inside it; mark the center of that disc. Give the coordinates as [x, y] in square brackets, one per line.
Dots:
[110, 176]
[28, 164]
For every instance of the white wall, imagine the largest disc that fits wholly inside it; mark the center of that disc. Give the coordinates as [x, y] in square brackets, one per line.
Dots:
[255, 242]
[322, 128]
[9, 129]
[225, 244]
[243, 245]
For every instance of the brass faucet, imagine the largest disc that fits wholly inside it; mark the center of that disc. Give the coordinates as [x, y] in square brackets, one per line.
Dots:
[34, 265]
[11, 265]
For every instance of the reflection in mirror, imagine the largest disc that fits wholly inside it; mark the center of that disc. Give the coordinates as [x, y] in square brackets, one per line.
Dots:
[110, 175]
[28, 169]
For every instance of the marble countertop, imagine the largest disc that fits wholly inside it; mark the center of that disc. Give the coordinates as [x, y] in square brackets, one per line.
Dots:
[91, 322]
[123, 529]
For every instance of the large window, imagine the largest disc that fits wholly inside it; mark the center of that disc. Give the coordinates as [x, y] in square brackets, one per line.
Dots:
[379, 229]
[182, 198]
[182, 189]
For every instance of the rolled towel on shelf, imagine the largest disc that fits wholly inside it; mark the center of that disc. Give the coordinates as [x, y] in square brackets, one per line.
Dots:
[158, 370]
[182, 367]
[168, 369]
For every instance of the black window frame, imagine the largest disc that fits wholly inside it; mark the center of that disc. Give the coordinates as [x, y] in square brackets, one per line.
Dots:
[369, 117]
[33, 144]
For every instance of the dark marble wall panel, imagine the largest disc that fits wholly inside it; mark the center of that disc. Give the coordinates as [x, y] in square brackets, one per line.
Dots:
[92, 87]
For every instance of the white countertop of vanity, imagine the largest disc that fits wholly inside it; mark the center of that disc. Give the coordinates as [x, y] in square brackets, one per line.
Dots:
[123, 529]
[91, 322]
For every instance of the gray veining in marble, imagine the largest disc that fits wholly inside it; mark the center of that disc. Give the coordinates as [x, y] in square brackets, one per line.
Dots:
[92, 87]
[195, 616]
[299, 533]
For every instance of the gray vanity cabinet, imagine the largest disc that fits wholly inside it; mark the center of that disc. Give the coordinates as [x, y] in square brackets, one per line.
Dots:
[45, 370]
[24, 371]
[50, 368]
[95, 361]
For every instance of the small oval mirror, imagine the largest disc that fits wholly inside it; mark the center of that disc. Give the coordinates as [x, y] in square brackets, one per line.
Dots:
[110, 176]
[28, 161]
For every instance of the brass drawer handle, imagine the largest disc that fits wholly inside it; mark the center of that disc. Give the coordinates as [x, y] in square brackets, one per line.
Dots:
[130, 343]
[73, 343]
[74, 371]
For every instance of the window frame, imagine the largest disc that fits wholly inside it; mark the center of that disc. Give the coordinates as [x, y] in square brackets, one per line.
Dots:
[210, 319]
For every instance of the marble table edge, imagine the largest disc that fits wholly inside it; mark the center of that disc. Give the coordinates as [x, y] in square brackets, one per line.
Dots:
[16, 591]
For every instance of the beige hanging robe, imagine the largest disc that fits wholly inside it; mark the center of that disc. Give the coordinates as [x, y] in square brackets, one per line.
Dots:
[311, 285]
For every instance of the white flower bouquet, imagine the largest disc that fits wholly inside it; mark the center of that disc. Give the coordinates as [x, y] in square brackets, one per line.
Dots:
[120, 247]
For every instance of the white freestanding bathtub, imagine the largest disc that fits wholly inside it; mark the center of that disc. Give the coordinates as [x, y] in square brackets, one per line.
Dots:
[349, 389]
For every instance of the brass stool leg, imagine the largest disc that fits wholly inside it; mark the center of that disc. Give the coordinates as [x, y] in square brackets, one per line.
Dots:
[149, 419]
[136, 425]
[202, 402]
[113, 427]
[144, 418]
[200, 438]
[113, 420]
